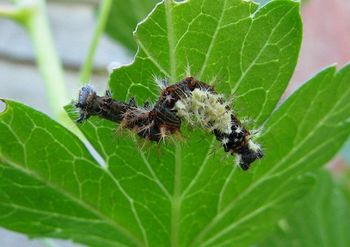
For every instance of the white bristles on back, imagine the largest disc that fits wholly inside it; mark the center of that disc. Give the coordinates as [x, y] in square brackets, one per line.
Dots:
[238, 159]
[160, 82]
[253, 146]
[205, 109]
[188, 70]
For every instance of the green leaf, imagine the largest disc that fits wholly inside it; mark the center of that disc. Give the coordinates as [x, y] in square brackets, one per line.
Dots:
[51, 186]
[321, 219]
[123, 18]
[247, 53]
[262, 2]
[179, 193]
[343, 178]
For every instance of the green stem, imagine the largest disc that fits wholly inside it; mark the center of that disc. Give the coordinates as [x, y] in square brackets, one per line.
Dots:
[47, 58]
[8, 12]
[99, 30]
[31, 14]
[19, 13]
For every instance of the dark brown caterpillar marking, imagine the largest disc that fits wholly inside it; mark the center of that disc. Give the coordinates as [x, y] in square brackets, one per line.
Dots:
[189, 99]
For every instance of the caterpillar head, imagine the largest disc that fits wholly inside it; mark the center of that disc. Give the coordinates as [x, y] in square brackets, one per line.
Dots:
[248, 154]
[85, 102]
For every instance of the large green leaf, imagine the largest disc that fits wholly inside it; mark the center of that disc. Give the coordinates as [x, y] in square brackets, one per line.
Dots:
[251, 54]
[262, 2]
[321, 219]
[180, 193]
[123, 18]
[51, 186]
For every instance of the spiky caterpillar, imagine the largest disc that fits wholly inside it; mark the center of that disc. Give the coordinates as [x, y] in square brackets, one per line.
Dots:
[191, 100]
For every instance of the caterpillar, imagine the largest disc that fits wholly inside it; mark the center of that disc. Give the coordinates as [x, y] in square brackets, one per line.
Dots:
[189, 100]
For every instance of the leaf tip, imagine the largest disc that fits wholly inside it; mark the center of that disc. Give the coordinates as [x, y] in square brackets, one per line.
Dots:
[3, 106]
[346, 66]
[141, 22]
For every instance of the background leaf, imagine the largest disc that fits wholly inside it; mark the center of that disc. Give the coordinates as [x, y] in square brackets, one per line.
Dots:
[123, 18]
[320, 219]
[180, 193]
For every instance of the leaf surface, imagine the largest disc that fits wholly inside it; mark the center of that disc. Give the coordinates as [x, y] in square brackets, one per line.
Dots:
[320, 219]
[186, 193]
[51, 186]
[123, 18]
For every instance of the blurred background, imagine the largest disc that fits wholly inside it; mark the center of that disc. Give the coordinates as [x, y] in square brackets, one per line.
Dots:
[326, 41]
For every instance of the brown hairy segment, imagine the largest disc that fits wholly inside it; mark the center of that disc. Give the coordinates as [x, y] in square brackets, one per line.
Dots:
[162, 120]
[151, 124]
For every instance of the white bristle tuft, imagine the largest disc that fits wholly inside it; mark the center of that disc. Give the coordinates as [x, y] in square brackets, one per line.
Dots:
[238, 159]
[253, 146]
[205, 109]
[160, 82]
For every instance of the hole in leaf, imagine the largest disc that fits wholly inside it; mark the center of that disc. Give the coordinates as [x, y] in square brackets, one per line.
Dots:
[3, 106]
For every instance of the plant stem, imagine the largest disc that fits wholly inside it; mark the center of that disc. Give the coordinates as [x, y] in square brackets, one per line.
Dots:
[31, 14]
[8, 12]
[47, 59]
[21, 12]
[99, 30]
